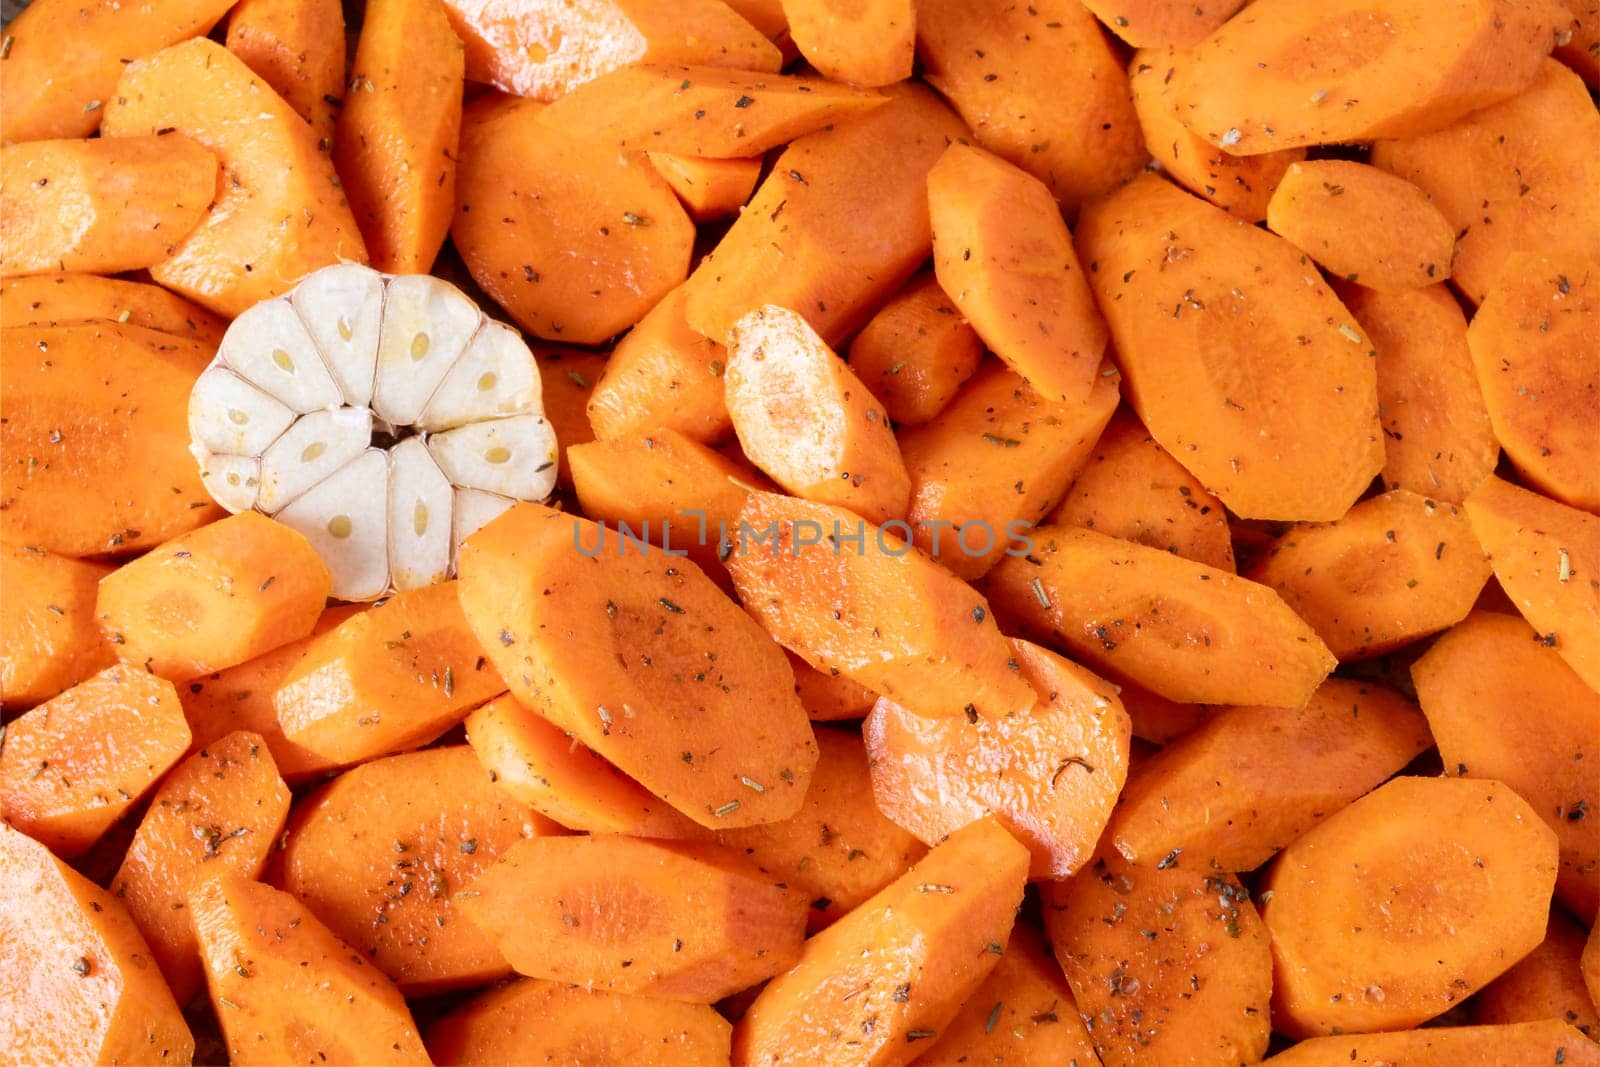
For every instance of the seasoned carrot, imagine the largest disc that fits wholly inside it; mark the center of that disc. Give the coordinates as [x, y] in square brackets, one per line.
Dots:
[1546, 984]
[568, 377]
[387, 679]
[663, 375]
[1443, 884]
[894, 972]
[805, 419]
[839, 849]
[535, 1021]
[1170, 962]
[839, 224]
[853, 597]
[1581, 50]
[532, 760]
[62, 299]
[1186, 631]
[214, 597]
[666, 919]
[220, 810]
[279, 215]
[398, 131]
[709, 189]
[544, 48]
[595, 237]
[1159, 24]
[1395, 569]
[48, 637]
[863, 42]
[74, 972]
[71, 766]
[1531, 1044]
[994, 462]
[102, 205]
[1518, 176]
[916, 352]
[1049, 774]
[1155, 718]
[1238, 358]
[286, 990]
[298, 48]
[1547, 556]
[1535, 342]
[829, 697]
[641, 657]
[1247, 781]
[1589, 963]
[1502, 705]
[1002, 66]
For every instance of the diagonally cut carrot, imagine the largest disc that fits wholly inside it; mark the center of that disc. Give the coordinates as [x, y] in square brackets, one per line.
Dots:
[48, 637]
[69, 299]
[862, 42]
[297, 47]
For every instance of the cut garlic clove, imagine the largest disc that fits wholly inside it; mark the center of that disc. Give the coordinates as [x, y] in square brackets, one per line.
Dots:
[495, 377]
[420, 507]
[314, 447]
[229, 415]
[475, 509]
[342, 309]
[344, 517]
[269, 347]
[513, 457]
[426, 325]
[232, 481]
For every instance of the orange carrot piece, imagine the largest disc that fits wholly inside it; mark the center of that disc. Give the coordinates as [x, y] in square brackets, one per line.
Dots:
[71, 766]
[663, 375]
[558, 776]
[285, 989]
[48, 637]
[1502, 705]
[1581, 50]
[1418, 860]
[805, 419]
[641, 657]
[829, 697]
[839, 849]
[1001, 67]
[298, 48]
[1532, 1044]
[894, 972]
[1050, 774]
[839, 224]
[1547, 556]
[1155, 718]
[878, 611]
[568, 377]
[1244, 783]
[390, 678]
[221, 809]
[74, 972]
[398, 132]
[1238, 358]
[1159, 24]
[994, 462]
[600, 244]
[709, 189]
[214, 598]
[535, 1021]
[102, 205]
[675, 920]
[916, 352]
[863, 42]
[75, 299]
[1188, 632]
[1528, 166]
[1546, 984]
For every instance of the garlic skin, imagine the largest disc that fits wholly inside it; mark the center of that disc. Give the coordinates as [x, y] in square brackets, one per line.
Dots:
[385, 417]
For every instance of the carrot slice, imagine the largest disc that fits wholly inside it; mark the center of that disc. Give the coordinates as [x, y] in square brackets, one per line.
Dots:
[671, 920]
[1533, 1043]
[994, 462]
[709, 189]
[297, 47]
[74, 971]
[1547, 556]
[663, 375]
[1158, 24]
[1186, 631]
[1546, 984]
[863, 42]
[1581, 50]
[804, 418]
[879, 611]
[286, 990]
[1050, 774]
[1421, 859]
[829, 697]
[61, 299]
[896, 970]
[279, 215]
[48, 637]
[567, 376]
[534, 1021]
[916, 352]
[1238, 358]
[1502, 705]
[641, 657]
[1170, 962]
[1246, 781]
[1155, 718]
[71, 766]
[398, 132]
[220, 810]
[840, 223]
[1001, 67]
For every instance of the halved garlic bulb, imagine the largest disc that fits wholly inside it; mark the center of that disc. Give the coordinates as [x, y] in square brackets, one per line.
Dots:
[384, 417]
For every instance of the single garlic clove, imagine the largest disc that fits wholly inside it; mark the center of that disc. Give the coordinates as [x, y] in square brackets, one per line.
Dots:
[495, 377]
[229, 415]
[344, 518]
[314, 447]
[426, 325]
[513, 457]
[232, 481]
[342, 308]
[475, 509]
[420, 507]
[269, 347]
